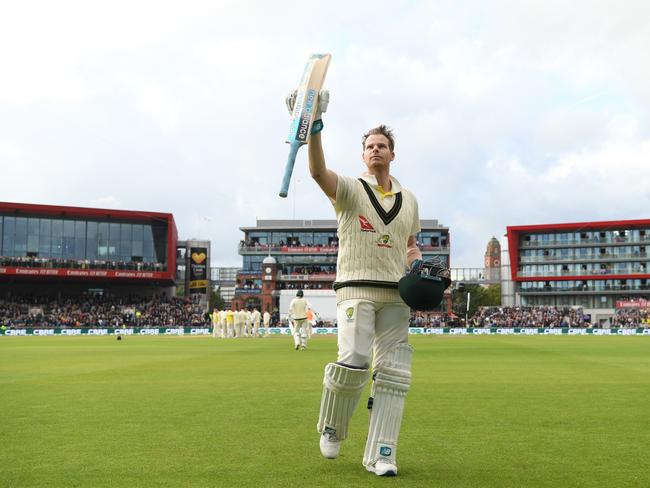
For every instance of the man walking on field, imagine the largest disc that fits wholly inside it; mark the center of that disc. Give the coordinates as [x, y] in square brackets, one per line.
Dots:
[377, 225]
[298, 315]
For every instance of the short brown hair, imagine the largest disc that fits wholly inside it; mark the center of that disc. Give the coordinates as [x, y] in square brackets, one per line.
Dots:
[382, 130]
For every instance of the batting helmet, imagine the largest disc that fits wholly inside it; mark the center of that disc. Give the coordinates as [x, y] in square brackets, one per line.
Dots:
[299, 293]
[424, 285]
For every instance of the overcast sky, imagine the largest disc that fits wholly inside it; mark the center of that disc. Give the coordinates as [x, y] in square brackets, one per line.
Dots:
[505, 112]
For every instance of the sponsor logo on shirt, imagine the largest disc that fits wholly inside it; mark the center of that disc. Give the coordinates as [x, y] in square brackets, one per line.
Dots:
[365, 225]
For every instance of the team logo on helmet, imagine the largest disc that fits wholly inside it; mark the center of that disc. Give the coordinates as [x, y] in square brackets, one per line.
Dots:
[385, 241]
[349, 312]
[366, 226]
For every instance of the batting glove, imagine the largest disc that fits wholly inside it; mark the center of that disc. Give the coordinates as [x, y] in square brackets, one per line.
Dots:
[323, 102]
[415, 265]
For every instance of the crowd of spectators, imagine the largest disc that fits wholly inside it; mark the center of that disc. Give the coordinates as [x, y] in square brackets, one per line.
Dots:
[631, 317]
[431, 320]
[540, 316]
[93, 310]
[90, 310]
[58, 263]
[313, 269]
[277, 246]
[301, 286]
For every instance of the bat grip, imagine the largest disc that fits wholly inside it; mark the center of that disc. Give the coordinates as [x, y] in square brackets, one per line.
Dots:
[288, 170]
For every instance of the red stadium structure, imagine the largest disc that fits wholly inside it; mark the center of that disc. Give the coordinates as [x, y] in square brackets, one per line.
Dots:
[76, 249]
[600, 266]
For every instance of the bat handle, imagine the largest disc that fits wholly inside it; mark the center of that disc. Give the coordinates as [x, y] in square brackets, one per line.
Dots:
[288, 170]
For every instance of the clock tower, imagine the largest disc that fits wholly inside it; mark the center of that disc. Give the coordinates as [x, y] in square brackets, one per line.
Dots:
[492, 270]
[269, 278]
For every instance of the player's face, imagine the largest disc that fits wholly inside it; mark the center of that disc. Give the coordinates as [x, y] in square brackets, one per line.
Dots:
[376, 153]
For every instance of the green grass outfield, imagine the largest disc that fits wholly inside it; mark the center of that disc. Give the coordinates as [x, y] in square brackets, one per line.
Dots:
[484, 411]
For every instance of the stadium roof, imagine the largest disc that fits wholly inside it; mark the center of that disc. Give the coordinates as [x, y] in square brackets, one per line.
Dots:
[30, 209]
[287, 224]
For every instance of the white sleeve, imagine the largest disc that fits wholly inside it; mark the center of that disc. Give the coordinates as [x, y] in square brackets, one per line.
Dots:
[344, 192]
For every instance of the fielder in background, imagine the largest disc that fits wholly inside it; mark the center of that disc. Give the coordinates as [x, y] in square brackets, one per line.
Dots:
[377, 225]
[230, 323]
[257, 317]
[215, 322]
[298, 316]
[240, 322]
[267, 322]
[248, 323]
[222, 324]
[311, 321]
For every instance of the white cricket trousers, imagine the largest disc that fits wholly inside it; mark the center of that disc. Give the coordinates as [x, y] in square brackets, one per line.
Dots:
[368, 330]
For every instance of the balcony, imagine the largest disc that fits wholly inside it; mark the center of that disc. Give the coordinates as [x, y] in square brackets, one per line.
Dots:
[314, 249]
[308, 277]
[283, 248]
[591, 242]
[441, 249]
[578, 290]
[606, 257]
[595, 273]
[248, 291]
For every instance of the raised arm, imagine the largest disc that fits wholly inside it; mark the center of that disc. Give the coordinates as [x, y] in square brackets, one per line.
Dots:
[325, 178]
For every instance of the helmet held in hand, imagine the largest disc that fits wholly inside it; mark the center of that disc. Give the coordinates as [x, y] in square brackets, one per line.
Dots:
[423, 287]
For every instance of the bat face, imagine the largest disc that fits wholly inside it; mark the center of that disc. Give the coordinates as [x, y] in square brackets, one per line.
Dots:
[304, 110]
[303, 115]
[311, 82]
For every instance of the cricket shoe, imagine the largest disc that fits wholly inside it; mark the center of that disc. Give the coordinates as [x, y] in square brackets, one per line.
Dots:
[383, 467]
[330, 445]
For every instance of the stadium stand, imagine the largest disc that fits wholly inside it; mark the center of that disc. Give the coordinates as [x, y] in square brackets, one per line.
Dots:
[534, 316]
[87, 310]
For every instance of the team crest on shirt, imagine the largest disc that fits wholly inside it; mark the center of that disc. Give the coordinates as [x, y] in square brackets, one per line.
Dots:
[349, 313]
[366, 226]
[385, 240]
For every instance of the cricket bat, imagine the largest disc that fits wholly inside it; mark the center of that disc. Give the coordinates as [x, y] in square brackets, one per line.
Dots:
[304, 110]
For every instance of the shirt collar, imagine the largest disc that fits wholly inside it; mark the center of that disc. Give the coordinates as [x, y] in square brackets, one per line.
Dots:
[396, 187]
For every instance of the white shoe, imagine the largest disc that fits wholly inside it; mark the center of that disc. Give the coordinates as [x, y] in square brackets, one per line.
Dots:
[330, 445]
[383, 467]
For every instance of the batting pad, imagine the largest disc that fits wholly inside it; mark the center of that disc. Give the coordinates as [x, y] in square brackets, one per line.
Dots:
[342, 387]
[392, 382]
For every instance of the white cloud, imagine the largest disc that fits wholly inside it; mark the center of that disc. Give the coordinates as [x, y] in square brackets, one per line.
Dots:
[108, 201]
[160, 106]
[506, 112]
[9, 152]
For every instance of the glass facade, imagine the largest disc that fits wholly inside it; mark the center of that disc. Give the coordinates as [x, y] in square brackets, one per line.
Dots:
[291, 238]
[602, 286]
[601, 266]
[81, 240]
[607, 252]
[433, 238]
